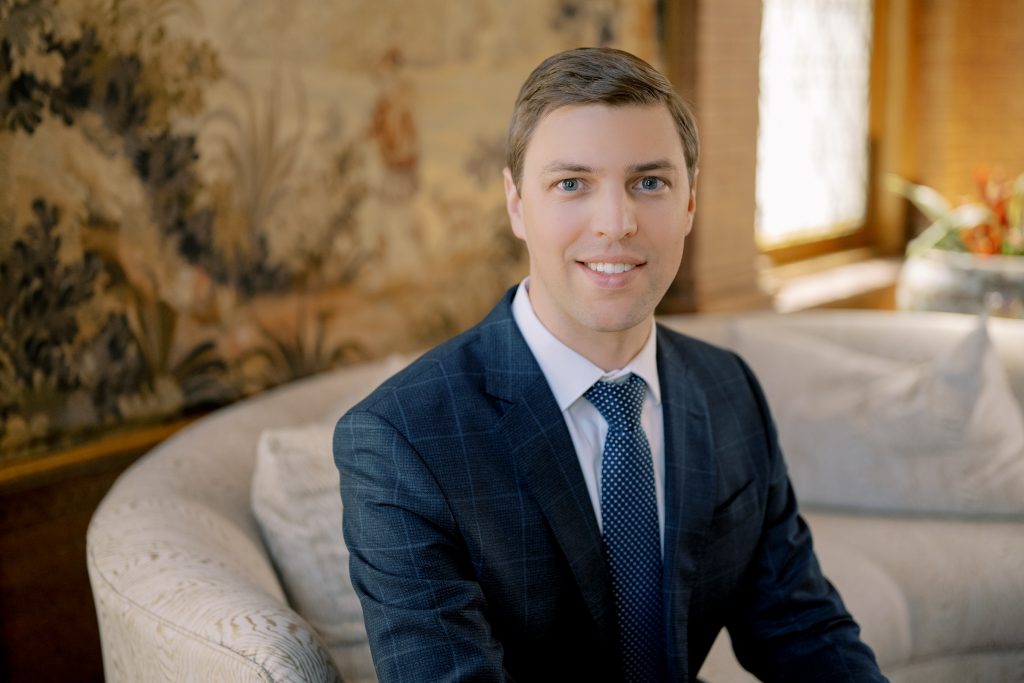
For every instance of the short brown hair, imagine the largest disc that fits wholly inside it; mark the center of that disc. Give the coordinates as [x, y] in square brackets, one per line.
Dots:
[594, 75]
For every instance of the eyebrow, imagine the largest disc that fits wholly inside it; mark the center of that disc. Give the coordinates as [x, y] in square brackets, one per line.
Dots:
[566, 166]
[644, 167]
[657, 165]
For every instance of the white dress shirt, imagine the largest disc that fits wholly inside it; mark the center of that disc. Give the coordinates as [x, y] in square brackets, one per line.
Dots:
[570, 375]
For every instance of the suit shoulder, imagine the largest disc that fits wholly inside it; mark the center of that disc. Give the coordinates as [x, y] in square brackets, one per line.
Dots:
[698, 353]
[427, 382]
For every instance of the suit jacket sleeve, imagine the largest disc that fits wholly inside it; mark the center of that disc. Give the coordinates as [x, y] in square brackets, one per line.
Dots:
[425, 614]
[791, 624]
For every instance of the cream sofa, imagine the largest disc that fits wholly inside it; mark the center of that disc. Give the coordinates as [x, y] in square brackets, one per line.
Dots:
[187, 587]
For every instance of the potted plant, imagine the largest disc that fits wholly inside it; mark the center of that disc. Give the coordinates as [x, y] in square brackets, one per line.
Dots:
[969, 259]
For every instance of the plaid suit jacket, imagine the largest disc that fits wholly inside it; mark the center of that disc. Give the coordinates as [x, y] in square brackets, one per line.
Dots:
[477, 556]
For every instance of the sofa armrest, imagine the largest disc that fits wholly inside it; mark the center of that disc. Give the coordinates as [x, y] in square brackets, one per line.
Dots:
[183, 584]
[184, 592]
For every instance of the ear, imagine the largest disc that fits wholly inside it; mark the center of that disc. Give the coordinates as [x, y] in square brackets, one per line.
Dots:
[514, 205]
[691, 206]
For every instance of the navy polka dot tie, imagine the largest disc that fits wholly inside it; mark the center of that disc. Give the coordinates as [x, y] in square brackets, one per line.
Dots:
[629, 520]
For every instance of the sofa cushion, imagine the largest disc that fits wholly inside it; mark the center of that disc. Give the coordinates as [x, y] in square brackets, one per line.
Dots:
[296, 502]
[934, 598]
[940, 435]
[924, 589]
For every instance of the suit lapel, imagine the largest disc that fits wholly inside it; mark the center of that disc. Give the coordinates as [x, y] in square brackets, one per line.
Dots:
[690, 482]
[539, 443]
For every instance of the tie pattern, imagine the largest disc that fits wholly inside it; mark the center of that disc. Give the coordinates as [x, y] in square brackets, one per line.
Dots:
[629, 520]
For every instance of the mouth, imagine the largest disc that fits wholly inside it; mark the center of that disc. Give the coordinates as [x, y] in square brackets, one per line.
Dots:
[610, 268]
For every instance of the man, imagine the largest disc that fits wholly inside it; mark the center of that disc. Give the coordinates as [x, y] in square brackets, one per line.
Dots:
[567, 491]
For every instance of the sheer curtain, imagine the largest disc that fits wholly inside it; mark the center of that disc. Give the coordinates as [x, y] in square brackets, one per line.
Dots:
[812, 150]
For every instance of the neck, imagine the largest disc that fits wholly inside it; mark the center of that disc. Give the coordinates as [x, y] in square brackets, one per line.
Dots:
[607, 350]
[611, 350]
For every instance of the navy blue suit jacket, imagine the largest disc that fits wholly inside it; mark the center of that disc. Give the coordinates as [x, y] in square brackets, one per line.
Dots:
[476, 553]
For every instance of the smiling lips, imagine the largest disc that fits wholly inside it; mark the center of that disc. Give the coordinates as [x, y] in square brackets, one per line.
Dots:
[610, 268]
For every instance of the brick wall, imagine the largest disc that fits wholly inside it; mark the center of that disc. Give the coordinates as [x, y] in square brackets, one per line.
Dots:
[967, 97]
[727, 52]
[712, 51]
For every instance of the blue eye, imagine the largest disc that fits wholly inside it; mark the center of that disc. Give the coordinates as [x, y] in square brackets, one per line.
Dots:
[569, 184]
[650, 183]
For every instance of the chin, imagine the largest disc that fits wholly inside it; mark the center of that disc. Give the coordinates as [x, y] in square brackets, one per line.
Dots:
[614, 322]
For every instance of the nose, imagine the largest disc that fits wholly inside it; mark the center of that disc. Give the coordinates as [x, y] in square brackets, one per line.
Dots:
[615, 217]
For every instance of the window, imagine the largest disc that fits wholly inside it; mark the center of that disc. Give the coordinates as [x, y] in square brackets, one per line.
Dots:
[812, 150]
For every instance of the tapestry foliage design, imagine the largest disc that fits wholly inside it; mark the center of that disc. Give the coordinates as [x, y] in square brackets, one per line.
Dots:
[201, 200]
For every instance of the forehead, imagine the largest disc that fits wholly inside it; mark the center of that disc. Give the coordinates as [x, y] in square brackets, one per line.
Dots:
[600, 135]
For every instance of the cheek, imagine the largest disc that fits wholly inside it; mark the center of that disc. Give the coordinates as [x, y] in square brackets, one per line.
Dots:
[667, 226]
[555, 224]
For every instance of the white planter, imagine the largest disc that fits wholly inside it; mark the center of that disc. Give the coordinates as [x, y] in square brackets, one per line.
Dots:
[940, 280]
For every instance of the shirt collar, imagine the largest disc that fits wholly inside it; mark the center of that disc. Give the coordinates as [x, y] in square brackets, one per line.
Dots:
[568, 373]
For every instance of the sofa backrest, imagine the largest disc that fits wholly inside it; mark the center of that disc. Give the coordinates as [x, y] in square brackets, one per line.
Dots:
[896, 335]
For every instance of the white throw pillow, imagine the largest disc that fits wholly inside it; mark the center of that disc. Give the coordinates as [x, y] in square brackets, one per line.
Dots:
[944, 435]
[296, 502]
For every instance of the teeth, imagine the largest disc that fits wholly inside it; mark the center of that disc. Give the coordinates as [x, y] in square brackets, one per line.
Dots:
[610, 268]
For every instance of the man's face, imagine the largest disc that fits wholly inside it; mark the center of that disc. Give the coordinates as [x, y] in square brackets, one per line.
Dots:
[604, 207]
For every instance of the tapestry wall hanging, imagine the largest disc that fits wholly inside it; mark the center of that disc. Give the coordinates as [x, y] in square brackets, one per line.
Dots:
[201, 200]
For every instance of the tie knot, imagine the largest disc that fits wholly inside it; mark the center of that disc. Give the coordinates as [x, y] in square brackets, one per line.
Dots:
[620, 403]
